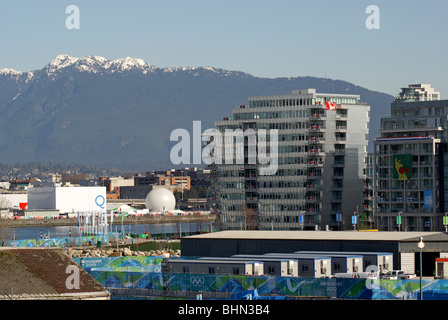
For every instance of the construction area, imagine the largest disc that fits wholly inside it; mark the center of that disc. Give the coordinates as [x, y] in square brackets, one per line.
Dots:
[45, 274]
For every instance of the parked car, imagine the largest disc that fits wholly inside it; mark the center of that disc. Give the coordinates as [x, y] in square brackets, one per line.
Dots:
[398, 274]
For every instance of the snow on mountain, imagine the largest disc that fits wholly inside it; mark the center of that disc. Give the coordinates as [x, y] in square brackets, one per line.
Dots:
[97, 64]
[128, 63]
[11, 72]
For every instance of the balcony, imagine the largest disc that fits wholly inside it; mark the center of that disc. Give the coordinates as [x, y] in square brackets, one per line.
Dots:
[312, 199]
[251, 199]
[318, 116]
[316, 140]
[315, 164]
[313, 187]
[314, 175]
[339, 164]
[251, 188]
[316, 128]
[341, 129]
[316, 152]
[337, 187]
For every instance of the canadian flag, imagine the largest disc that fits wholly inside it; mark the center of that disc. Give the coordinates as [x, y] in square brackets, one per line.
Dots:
[330, 105]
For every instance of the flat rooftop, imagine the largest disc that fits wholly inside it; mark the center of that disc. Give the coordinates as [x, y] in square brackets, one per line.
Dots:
[324, 235]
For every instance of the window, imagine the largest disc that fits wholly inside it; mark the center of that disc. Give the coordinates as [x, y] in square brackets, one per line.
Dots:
[323, 267]
[355, 265]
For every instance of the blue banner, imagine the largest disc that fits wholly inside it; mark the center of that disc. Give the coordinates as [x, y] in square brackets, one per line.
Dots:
[427, 196]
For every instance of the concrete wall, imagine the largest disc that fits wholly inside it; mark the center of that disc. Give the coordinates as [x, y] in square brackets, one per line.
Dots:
[12, 200]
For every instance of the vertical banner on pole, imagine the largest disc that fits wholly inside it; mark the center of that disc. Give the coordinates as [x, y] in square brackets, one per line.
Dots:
[427, 198]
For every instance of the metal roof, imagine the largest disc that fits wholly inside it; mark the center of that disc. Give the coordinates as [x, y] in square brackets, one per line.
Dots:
[316, 255]
[340, 253]
[205, 261]
[254, 258]
[286, 257]
[325, 235]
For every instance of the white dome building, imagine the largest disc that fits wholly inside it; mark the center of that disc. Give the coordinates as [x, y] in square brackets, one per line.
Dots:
[160, 199]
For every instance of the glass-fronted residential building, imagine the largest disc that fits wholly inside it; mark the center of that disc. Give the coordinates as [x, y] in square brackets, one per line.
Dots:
[321, 154]
[411, 161]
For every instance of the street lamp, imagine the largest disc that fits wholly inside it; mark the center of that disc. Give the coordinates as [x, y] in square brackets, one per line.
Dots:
[421, 245]
[165, 272]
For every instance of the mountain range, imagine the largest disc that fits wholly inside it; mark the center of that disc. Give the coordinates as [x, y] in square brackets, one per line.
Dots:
[120, 113]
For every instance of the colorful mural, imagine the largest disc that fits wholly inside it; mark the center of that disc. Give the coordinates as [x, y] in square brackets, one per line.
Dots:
[278, 286]
[58, 242]
[121, 264]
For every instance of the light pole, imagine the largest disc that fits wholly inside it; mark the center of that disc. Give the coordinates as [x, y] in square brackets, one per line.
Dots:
[165, 272]
[399, 220]
[445, 222]
[421, 245]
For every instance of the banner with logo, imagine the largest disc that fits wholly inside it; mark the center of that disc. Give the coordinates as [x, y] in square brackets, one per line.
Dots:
[402, 166]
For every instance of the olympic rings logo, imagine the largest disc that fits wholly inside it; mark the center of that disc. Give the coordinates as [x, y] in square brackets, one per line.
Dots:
[197, 281]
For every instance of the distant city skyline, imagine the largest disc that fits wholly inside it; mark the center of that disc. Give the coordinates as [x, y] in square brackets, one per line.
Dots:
[285, 38]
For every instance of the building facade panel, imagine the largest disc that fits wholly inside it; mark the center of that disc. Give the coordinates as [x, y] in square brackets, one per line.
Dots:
[319, 177]
[410, 158]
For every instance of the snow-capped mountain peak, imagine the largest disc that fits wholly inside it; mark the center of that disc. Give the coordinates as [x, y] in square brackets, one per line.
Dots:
[96, 64]
[101, 65]
[9, 71]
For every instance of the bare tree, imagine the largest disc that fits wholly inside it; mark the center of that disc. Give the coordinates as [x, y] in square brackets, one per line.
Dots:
[5, 222]
[250, 217]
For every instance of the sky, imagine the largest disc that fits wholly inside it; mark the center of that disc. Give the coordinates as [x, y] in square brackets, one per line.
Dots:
[281, 38]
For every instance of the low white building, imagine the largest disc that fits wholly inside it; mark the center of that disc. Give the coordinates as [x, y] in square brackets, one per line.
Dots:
[68, 199]
[12, 200]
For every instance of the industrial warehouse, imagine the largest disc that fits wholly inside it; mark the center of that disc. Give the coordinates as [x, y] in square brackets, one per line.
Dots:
[402, 247]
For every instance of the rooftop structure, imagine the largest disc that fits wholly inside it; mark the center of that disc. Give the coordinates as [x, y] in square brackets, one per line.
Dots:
[402, 245]
[418, 92]
[160, 200]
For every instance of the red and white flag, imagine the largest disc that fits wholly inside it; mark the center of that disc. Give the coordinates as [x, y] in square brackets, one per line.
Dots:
[330, 105]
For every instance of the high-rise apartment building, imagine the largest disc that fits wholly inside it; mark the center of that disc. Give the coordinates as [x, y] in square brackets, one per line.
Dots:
[321, 155]
[411, 160]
